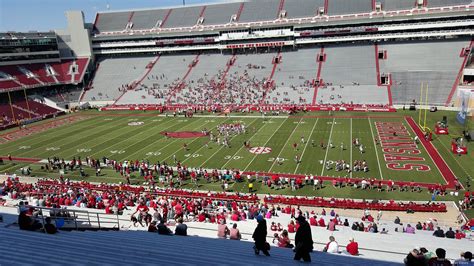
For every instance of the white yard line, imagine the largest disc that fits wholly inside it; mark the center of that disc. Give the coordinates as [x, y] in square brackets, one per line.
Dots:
[375, 147]
[255, 134]
[302, 154]
[264, 145]
[161, 138]
[125, 139]
[218, 150]
[350, 148]
[287, 140]
[327, 146]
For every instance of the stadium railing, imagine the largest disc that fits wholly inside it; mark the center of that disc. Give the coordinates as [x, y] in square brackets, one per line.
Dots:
[75, 219]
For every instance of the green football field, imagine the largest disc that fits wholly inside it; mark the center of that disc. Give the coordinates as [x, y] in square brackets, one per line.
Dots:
[138, 136]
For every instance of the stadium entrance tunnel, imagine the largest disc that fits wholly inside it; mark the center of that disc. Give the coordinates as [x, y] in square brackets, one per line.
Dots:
[184, 134]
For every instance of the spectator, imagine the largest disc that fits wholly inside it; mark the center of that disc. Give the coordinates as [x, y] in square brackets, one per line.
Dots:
[303, 240]
[440, 259]
[397, 220]
[353, 247]
[321, 222]
[313, 221]
[409, 229]
[427, 254]
[49, 227]
[259, 236]
[235, 233]
[419, 226]
[466, 259]
[459, 234]
[450, 233]
[332, 246]
[331, 225]
[163, 229]
[283, 240]
[27, 223]
[346, 222]
[439, 232]
[181, 229]
[355, 226]
[291, 227]
[222, 229]
[152, 227]
[415, 258]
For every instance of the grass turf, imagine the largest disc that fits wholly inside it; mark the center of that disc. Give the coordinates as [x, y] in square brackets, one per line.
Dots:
[109, 134]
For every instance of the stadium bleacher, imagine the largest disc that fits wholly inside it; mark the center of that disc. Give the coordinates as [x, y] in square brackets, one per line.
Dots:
[139, 243]
[350, 73]
[116, 21]
[259, 11]
[389, 5]
[302, 8]
[38, 75]
[438, 3]
[113, 76]
[294, 78]
[413, 63]
[220, 13]
[339, 7]
[147, 19]
[182, 17]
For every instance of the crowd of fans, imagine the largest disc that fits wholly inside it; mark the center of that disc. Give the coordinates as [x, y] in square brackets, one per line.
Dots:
[155, 212]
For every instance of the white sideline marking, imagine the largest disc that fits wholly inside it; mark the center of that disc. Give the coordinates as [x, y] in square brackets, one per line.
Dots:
[375, 147]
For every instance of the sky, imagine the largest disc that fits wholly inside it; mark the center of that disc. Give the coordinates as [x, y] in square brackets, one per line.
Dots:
[45, 15]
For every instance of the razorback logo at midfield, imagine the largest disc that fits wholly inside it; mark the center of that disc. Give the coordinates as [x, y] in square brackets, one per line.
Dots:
[260, 150]
[400, 151]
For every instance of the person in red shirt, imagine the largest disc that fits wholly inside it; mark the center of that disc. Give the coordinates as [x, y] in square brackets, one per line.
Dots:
[274, 227]
[313, 221]
[201, 217]
[280, 227]
[142, 211]
[321, 222]
[291, 227]
[459, 234]
[353, 247]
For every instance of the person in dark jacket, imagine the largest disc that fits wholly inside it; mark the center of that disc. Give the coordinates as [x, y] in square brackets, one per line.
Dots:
[450, 233]
[415, 258]
[181, 229]
[163, 229]
[439, 232]
[49, 227]
[303, 240]
[260, 236]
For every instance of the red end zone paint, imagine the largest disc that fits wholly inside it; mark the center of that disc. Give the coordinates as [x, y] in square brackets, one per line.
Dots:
[183, 134]
[19, 159]
[443, 168]
[31, 130]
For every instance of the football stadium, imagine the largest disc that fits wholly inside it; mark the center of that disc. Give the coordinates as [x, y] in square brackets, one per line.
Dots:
[259, 132]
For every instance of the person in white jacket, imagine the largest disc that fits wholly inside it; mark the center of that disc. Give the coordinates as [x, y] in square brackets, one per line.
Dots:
[332, 246]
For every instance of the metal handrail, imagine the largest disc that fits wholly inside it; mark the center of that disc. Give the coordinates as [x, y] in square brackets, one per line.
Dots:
[78, 217]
